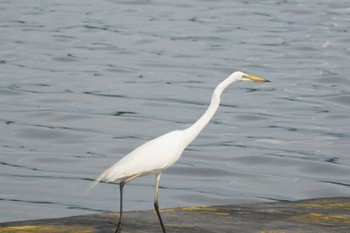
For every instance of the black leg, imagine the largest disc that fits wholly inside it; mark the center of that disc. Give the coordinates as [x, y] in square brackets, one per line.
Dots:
[119, 225]
[156, 205]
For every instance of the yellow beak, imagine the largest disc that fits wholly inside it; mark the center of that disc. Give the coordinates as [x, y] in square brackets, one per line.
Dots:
[255, 79]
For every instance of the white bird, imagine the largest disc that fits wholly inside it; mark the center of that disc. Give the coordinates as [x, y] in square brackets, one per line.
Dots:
[160, 153]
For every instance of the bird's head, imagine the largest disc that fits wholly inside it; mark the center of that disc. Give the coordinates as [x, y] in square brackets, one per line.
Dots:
[236, 77]
[246, 77]
[240, 76]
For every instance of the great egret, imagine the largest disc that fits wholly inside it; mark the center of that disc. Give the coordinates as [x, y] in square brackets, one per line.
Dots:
[160, 153]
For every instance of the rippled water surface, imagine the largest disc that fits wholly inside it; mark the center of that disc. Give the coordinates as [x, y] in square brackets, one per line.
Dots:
[82, 83]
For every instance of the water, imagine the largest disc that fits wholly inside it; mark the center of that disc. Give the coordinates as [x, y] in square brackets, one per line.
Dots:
[84, 83]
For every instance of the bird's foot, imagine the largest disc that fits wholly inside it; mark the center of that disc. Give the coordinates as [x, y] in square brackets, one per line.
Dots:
[118, 225]
[110, 222]
[119, 228]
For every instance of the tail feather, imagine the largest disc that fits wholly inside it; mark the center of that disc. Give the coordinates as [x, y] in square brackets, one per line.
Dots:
[91, 186]
[102, 177]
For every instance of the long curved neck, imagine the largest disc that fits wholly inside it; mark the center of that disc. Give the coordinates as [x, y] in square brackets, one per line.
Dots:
[197, 127]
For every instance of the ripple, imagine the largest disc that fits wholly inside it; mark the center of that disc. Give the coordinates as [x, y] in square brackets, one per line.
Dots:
[83, 84]
[344, 101]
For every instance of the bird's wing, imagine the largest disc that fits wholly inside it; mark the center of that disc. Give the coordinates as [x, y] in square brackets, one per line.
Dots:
[151, 157]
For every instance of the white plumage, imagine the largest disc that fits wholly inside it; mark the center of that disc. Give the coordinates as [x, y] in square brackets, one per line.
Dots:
[160, 153]
[167, 149]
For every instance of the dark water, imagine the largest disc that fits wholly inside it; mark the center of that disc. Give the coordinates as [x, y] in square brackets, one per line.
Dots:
[82, 83]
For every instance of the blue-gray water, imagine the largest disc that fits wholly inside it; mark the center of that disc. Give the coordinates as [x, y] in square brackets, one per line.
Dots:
[82, 83]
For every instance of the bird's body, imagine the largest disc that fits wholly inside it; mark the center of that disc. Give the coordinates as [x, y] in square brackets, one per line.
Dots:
[157, 155]
[161, 147]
